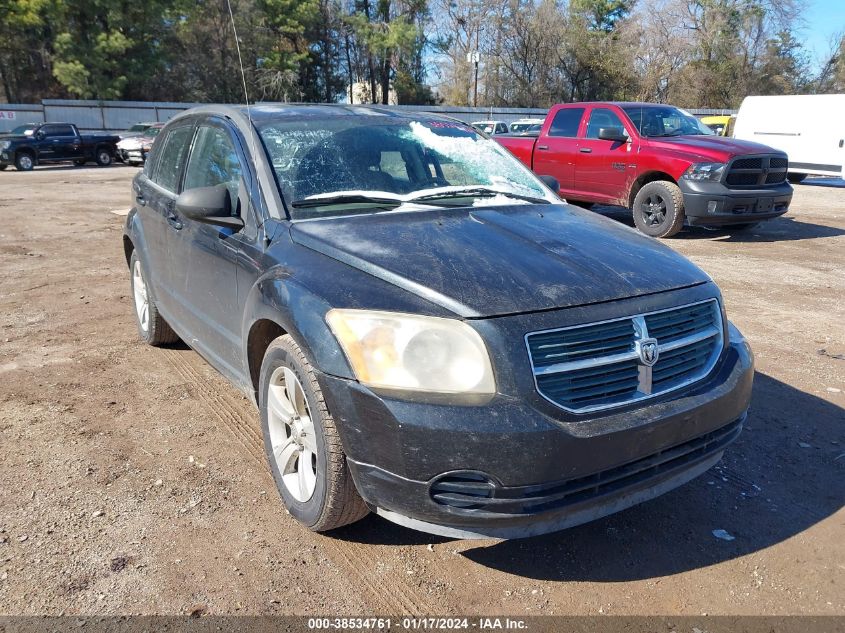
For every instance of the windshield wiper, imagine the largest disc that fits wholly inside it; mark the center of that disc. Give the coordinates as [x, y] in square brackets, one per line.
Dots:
[476, 192]
[346, 198]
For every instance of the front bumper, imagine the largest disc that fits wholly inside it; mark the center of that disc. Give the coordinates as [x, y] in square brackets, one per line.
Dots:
[507, 469]
[6, 158]
[713, 204]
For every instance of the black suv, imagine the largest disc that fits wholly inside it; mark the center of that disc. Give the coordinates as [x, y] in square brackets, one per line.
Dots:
[427, 330]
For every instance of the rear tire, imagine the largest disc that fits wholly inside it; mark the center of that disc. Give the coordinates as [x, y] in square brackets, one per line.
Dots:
[152, 327]
[658, 209]
[302, 444]
[24, 162]
[104, 157]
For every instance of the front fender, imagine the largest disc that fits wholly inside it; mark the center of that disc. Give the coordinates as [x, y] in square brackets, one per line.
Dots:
[301, 313]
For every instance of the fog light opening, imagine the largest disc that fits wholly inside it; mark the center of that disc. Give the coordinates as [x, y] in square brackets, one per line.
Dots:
[711, 206]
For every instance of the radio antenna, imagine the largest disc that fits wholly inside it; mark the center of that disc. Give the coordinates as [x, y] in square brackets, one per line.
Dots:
[252, 131]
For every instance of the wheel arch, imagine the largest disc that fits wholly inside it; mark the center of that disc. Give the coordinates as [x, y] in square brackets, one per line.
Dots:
[276, 305]
[644, 179]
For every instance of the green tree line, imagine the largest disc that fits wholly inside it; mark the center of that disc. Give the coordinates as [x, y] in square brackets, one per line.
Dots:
[696, 53]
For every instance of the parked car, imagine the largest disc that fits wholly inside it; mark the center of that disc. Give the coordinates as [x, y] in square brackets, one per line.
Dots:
[137, 130]
[660, 162]
[134, 150]
[54, 143]
[721, 124]
[809, 128]
[526, 126]
[491, 127]
[427, 330]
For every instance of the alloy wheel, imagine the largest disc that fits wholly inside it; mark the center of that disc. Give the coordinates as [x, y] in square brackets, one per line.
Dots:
[292, 436]
[142, 301]
[654, 210]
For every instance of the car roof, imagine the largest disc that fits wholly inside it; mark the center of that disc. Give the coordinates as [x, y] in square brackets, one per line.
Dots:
[262, 113]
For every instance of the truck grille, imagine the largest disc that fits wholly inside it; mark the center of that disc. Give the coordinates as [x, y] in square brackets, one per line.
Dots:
[756, 171]
[602, 365]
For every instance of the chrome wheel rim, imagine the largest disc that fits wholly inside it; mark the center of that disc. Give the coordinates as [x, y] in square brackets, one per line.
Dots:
[142, 302]
[654, 210]
[104, 157]
[292, 437]
[26, 162]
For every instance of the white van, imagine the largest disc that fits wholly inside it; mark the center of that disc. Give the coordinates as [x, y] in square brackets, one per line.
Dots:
[809, 128]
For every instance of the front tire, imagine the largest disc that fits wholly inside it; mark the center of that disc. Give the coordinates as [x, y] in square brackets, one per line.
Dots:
[152, 327]
[302, 443]
[658, 209]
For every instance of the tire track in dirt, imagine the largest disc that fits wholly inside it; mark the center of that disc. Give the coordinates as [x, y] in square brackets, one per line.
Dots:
[393, 595]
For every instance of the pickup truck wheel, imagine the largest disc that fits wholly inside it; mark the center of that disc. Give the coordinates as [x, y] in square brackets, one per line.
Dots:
[302, 443]
[3, 167]
[103, 157]
[79, 162]
[24, 162]
[152, 327]
[659, 209]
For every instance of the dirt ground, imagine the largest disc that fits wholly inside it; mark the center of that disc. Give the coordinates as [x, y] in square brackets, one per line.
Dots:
[132, 479]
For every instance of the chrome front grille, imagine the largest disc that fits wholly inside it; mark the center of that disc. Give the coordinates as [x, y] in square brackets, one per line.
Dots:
[757, 171]
[611, 363]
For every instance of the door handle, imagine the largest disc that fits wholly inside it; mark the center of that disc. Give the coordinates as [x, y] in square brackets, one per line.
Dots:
[585, 150]
[174, 221]
[542, 147]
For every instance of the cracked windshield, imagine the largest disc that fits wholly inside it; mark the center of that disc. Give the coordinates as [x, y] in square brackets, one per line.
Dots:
[372, 164]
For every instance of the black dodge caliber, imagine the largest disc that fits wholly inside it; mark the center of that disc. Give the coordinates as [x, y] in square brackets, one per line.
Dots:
[428, 331]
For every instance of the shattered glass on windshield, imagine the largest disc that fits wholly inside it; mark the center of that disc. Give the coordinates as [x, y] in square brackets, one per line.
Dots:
[350, 160]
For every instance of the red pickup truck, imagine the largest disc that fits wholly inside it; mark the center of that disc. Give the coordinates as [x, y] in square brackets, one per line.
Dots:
[660, 162]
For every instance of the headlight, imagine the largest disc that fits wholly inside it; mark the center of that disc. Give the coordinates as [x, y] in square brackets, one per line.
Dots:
[5, 144]
[415, 353]
[705, 171]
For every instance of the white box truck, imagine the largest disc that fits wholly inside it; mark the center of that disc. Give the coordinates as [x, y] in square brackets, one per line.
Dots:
[809, 128]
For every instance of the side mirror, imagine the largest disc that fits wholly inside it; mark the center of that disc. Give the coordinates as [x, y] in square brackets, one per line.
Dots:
[39, 135]
[551, 182]
[613, 134]
[209, 205]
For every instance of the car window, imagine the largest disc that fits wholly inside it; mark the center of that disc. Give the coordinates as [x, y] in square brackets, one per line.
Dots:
[169, 164]
[566, 122]
[58, 130]
[501, 129]
[602, 118]
[214, 161]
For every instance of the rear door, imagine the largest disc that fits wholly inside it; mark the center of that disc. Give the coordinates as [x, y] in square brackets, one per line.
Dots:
[602, 166]
[556, 151]
[205, 256]
[155, 196]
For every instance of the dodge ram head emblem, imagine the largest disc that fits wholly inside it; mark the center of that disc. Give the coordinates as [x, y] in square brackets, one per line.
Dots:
[648, 351]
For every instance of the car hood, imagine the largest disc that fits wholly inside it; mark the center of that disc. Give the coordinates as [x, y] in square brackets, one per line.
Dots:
[483, 262]
[717, 148]
[13, 137]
